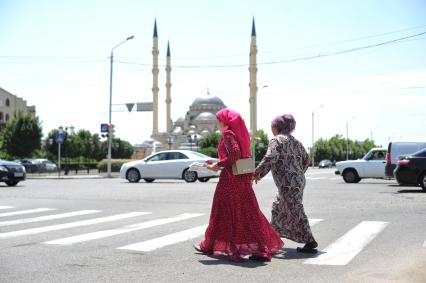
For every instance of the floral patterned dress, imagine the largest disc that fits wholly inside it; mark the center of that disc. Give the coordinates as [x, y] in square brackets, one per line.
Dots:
[237, 227]
[288, 160]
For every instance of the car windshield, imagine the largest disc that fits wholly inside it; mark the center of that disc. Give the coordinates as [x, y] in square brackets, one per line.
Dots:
[420, 153]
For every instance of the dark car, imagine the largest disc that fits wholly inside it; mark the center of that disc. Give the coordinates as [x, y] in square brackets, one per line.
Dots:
[11, 172]
[30, 165]
[411, 169]
[325, 164]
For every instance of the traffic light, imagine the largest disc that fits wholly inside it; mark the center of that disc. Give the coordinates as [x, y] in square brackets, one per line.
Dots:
[111, 129]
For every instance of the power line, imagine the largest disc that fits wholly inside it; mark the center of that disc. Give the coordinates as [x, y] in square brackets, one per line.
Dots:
[311, 57]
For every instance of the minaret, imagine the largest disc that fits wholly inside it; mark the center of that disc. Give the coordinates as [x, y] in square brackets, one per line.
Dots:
[253, 86]
[155, 88]
[168, 86]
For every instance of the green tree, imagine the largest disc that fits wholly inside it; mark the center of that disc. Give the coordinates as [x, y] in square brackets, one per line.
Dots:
[208, 145]
[260, 145]
[121, 149]
[334, 148]
[21, 137]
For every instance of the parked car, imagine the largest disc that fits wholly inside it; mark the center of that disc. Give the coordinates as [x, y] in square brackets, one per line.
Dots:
[11, 172]
[170, 164]
[45, 165]
[29, 164]
[397, 149]
[411, 169]
[325, 164]
[372, 165]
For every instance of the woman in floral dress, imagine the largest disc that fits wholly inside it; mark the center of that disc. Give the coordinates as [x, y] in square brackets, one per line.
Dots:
[237, 227]
[288, 160]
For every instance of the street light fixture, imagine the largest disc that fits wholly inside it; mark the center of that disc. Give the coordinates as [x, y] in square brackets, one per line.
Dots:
[110, 104]
[313, 134]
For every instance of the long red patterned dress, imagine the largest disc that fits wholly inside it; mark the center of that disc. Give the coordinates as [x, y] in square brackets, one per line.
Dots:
[237, 227]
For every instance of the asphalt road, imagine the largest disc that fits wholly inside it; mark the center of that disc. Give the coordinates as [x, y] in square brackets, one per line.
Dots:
[108, 230]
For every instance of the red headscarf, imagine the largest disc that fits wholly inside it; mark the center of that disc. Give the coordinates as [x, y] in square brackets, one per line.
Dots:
[234, 122]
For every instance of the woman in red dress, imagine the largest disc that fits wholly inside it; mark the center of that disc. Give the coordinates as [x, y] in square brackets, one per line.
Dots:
[237, 227]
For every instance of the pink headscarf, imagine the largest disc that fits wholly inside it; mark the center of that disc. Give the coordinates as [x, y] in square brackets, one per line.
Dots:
[234, 122]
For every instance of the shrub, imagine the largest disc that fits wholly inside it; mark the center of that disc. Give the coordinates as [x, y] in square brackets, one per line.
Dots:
[115, 164]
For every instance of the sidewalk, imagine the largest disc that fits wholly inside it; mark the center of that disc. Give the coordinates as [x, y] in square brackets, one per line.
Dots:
[93, 174]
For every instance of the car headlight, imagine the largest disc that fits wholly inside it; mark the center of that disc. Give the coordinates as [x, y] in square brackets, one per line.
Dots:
[3, 168]
[23, 169]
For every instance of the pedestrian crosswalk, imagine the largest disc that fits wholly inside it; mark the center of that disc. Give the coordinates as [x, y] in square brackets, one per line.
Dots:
[340, 252]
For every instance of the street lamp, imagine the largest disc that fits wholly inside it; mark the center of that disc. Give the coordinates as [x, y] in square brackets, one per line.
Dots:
[347, 139]
[110, 104]
[253, 129]
[313, 134]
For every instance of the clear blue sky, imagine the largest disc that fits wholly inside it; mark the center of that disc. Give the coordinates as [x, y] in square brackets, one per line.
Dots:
[54, 54]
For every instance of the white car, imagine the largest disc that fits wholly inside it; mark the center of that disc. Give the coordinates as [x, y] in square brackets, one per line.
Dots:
[169, 164]
[372, 165]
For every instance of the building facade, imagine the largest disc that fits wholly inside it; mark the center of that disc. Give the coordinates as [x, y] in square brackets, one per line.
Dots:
[10, 106]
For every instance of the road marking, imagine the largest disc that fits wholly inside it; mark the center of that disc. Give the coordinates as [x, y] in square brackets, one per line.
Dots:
[424, 244]
[349, 245]
[335, 178]
[315, 178]
[25, 211]
[5, 207]
[70, 225]
[167, 240]
[47, 217]
[122, 230]
[314, 221]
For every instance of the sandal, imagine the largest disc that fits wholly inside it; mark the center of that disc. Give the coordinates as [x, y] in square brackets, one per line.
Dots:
[198, 249]
[308, 248]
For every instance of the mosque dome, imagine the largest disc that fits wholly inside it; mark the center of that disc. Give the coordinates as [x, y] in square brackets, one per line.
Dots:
[208, 100]
[206, 116]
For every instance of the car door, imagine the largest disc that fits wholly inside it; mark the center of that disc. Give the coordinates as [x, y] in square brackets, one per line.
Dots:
[177, 162]
[153, 166]
[375, 165]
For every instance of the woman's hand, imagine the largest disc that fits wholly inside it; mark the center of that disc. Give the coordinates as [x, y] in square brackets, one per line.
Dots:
[214, 167]
[254, 179]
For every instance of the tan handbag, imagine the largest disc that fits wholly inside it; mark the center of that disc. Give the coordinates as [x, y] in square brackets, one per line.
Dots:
[243, 166]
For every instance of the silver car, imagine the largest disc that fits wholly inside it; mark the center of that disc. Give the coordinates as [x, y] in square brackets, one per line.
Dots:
[170, 164]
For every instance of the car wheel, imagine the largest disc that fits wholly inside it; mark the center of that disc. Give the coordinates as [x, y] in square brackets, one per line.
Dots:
[203, 180]
[351, 176]
[423, 181]
[189, 176]
[149, 180]
[133, 175]
[12, 183]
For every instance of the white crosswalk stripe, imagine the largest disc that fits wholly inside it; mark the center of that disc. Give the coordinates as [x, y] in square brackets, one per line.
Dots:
[314, 221]
[47, 217]
[5, 207]
[342, 251]
[122, 230]
[424, 244]
[167, 240]
[5, 214]
[70, 225]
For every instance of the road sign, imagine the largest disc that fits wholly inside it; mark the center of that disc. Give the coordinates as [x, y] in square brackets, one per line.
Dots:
[104, 128]
[60, 138]
[130, 106]
[144, 106]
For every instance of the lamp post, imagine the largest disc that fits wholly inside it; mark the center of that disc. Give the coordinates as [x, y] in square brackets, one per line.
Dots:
[110, 105]
[253, 126]
[347, 139]
[313, 134]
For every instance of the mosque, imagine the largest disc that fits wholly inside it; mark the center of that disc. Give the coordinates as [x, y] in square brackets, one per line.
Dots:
[200, 119]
